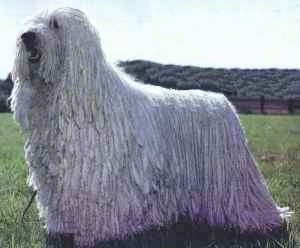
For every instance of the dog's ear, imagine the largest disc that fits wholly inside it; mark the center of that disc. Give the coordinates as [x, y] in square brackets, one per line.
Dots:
[82, 58]
[82, 54]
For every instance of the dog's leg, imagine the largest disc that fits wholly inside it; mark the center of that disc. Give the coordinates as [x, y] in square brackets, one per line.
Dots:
[59, 240]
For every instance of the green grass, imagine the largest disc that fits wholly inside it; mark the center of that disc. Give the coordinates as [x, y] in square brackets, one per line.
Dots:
[275, 141]
[14, 193]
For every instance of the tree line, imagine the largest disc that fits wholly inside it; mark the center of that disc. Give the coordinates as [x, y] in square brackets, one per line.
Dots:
[270, 83]
[5, 91]
[243, 83]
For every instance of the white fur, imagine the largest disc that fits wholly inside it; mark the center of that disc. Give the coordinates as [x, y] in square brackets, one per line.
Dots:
[111, 157]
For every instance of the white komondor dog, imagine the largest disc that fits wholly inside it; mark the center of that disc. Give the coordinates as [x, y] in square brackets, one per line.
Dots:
[111, 158]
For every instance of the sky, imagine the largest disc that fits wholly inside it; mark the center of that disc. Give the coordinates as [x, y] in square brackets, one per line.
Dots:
[206, 33]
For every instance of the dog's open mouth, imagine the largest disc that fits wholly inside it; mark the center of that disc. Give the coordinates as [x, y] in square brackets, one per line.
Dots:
[34, 55]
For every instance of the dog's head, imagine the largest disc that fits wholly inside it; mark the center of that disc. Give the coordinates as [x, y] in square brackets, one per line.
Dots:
[53, 43]
[56, 50]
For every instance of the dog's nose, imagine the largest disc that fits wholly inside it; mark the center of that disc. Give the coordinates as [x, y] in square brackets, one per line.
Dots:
[28, 39]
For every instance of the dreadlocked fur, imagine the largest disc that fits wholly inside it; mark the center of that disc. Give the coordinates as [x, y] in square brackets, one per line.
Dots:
[110, 157]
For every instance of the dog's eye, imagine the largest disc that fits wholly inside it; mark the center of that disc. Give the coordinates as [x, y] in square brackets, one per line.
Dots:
[54, 24]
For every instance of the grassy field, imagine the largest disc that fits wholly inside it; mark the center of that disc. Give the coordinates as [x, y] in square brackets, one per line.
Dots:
[275, 141]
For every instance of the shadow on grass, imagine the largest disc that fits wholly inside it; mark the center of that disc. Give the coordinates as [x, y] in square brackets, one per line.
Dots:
[183, 234]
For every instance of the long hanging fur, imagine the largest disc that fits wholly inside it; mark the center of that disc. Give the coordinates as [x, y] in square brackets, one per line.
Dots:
[110, 157]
